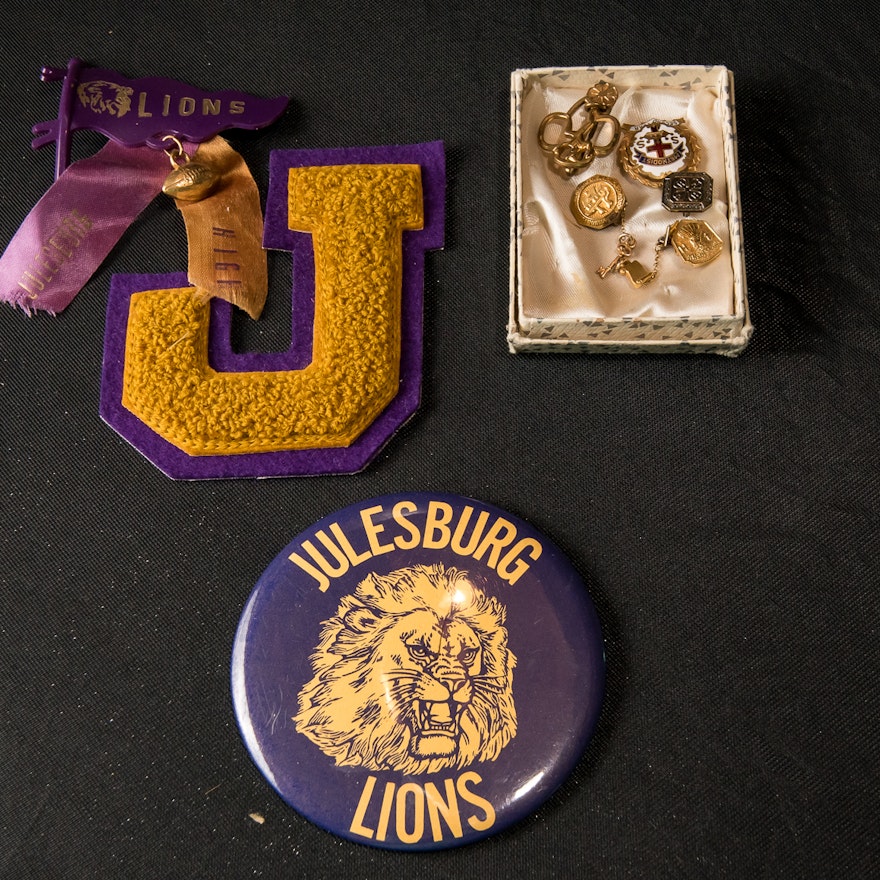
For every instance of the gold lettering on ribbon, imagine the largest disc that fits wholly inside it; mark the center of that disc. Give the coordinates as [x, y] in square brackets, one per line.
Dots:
[58, 247]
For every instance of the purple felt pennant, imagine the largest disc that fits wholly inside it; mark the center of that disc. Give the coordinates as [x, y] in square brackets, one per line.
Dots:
[74, 226]
[138, 112]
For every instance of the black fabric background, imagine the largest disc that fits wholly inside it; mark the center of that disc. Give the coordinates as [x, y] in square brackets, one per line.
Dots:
[724, 513]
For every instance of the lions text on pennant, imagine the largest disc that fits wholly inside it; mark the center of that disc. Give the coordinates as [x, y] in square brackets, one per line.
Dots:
[141, 111]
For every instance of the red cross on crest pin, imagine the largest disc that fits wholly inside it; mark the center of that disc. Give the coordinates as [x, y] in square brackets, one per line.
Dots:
[651, 151]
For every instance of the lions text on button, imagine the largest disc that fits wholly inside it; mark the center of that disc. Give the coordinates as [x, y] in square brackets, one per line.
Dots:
[418, 671]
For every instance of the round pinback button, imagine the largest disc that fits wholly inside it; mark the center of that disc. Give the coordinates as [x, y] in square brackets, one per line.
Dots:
[418, 671]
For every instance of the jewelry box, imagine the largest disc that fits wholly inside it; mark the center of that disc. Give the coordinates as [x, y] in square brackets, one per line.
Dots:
[626, 229]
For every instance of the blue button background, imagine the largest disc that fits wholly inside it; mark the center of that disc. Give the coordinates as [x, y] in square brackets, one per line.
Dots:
[553, 631]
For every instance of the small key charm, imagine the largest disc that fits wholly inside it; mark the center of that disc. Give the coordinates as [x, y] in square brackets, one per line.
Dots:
[633, 270]
[625, 245]
[603, 271]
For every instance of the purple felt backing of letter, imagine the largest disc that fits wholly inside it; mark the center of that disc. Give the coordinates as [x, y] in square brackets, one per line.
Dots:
[178, 464]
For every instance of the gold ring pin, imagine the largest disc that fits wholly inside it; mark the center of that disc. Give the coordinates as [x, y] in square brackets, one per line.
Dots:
[598, 202]
[576, 141]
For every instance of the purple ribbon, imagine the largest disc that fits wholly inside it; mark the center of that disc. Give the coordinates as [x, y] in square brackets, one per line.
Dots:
[73, 227]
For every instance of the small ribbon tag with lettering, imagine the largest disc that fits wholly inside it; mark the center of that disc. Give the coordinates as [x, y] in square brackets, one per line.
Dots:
[224, 231]
[77, 222]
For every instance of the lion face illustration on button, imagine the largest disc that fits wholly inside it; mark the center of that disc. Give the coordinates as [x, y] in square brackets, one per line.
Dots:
[412, 673]
[417, 671]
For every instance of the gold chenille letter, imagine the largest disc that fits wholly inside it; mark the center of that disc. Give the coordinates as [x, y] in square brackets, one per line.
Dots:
[356, 215]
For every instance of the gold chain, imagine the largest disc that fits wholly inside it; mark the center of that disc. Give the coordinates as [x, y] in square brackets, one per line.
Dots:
[638, 275]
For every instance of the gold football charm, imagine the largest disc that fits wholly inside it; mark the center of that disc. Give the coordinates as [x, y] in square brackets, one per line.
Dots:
[695, 241]
[188, 181]
[191, 182]
[598, 202]
[650, 152]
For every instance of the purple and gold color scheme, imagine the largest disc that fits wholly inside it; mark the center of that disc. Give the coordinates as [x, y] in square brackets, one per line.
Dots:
[92, 202]
[418, 671]
[138, 112]
[352, 375]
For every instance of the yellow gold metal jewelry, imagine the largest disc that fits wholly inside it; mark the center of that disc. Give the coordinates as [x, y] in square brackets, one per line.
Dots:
[637, 274]
[189, 181]
[651, 151]
[695, 241]
[598, 202]
[576, 140]
[603, 95]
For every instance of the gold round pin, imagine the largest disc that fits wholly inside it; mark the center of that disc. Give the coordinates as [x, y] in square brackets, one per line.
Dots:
[598, 202]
